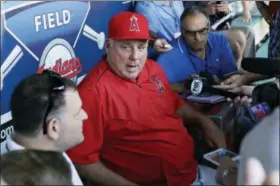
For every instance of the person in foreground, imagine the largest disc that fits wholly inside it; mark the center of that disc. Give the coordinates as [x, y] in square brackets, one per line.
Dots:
[47, 115]
[35, 167]
[255, 167]
[134, 134]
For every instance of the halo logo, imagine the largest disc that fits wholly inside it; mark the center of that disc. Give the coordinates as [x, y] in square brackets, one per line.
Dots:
[60, 57]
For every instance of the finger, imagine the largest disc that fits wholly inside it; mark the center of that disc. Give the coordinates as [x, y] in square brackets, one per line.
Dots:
[236, 101]
[225, 87]
[160, 49]
[195, 76]
[272, 179]
[236, 90]
[254, 172]
[229, 80]
[244, 101]
[216, 79]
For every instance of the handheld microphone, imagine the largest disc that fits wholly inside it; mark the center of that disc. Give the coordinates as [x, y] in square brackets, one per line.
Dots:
[270, 67]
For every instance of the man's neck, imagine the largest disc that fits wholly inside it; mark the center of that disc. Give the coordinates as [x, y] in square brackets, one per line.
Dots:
[201, 54]
[34, 143]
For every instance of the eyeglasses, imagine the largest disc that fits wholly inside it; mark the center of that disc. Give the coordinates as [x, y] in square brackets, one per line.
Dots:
[201, 32]
[57, 86]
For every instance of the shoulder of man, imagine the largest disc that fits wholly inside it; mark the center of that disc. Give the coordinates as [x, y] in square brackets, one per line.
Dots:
[95, 78]
[218, 38]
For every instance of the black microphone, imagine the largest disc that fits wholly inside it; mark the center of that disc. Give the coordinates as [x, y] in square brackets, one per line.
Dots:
[198, 86]
[264, 66]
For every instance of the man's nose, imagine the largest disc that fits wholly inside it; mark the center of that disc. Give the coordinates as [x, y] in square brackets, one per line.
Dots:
[197, 36]
[134, 54]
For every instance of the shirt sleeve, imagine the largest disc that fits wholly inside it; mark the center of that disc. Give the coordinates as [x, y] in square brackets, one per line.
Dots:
[228, 63]
[93, 128]
[145, 8]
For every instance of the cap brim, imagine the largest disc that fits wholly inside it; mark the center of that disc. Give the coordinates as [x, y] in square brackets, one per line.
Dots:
[131, 38]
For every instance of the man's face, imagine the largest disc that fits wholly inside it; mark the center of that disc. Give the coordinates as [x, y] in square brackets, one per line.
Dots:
[127, 57]
[71, 133]
[195, 29]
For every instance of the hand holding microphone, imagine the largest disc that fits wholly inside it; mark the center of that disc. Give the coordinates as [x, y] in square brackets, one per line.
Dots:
[205, 84]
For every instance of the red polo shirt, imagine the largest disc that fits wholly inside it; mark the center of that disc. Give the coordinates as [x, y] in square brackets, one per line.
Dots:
[132, 127]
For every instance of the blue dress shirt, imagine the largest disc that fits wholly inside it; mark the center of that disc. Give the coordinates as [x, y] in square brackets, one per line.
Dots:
[181, 62]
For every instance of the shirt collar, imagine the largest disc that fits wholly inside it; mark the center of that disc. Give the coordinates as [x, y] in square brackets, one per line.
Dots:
[12, 145]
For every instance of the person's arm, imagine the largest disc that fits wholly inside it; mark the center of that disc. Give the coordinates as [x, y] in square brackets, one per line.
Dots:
[264, 10]
[246, 10]
[213, 134]
[227, 61]
[238, 80]
[98, 173]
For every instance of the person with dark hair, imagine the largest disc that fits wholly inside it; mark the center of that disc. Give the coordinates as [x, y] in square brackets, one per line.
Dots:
[197, 50]
[47, 115]
[34, 167]
[244, 36]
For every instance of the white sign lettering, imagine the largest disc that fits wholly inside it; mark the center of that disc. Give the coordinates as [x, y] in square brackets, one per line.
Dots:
[52, 20]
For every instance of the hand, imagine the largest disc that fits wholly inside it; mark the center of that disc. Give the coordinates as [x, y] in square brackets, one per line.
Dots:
[247, 16]
[226, 164]
[223, 7]
[214, 136]
[256, 175]
[211, 9]
[161, 45]
[246, 100]
[232, 82]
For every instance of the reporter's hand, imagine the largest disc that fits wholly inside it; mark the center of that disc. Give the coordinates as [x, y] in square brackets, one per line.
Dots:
[242, 101]
[232, 82]
[226, 164]
[160, 44]
[247, 16]
[246, 92]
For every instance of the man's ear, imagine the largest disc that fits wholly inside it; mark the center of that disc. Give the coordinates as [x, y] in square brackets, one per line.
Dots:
[53, 128]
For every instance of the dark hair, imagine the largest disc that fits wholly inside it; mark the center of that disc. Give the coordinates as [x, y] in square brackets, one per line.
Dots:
[193, 10]
[34, 167]
[30, 100]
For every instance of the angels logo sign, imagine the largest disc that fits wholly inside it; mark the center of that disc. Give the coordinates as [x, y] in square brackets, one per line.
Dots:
[134, 24]
[159, 85]
[60, 57]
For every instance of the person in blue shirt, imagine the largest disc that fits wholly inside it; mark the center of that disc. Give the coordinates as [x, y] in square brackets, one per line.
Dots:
[197, 50]
[163, 17]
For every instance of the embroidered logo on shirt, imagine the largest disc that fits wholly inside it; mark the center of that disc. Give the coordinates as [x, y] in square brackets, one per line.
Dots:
[134, 24]
[159, 85]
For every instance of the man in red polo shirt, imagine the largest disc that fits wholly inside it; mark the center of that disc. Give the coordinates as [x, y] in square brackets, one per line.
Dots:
[134, 133]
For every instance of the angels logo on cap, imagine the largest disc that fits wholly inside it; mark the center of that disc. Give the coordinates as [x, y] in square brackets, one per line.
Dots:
[128, 25]
[134, 24]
